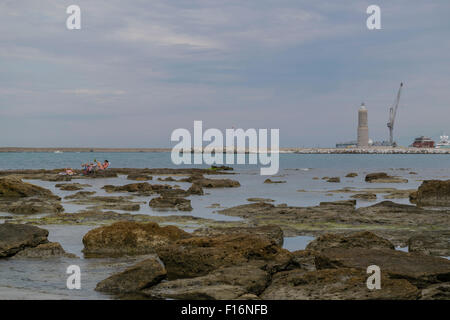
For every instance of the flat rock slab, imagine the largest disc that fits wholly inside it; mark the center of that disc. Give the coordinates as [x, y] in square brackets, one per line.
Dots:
[14, 187]
[125, 237]
[335, 284]
[421, 270]
[138, 277]
[439, 291]
[434, 243]
[199, 256]
[222, 284]
[45, 251]
[17, 237]
[365, 239]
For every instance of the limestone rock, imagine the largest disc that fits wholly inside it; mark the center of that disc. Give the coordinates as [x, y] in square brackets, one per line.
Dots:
[135, 278]
[125, 237]
[17, 237]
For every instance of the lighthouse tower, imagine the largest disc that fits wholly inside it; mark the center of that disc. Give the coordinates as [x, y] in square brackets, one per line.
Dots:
[363, 127]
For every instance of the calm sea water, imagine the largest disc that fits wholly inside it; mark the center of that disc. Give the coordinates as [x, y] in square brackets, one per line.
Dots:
[49, 160]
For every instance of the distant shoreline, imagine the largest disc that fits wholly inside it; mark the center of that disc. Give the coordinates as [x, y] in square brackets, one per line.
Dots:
[374, 150]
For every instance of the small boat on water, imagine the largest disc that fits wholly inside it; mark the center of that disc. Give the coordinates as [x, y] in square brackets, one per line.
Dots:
[58, 151]
[444, 143]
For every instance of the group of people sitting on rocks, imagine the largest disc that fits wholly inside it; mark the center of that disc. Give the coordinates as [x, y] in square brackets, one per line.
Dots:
[89, 168]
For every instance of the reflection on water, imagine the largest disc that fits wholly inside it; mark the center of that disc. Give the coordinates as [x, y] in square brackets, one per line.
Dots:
[297, 243]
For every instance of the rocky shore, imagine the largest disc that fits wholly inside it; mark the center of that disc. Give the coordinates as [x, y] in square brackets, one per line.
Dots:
[243, 259]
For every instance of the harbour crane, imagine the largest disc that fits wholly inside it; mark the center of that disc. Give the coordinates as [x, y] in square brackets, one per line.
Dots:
[392, 114]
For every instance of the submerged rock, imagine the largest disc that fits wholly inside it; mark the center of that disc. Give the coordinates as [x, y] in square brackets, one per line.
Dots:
[383, 177]
[217, 183]
[349, 203]
[225, 168]
[142, 187]
[80, 195]
[261, 199]
[125, 237]
[351, 175]
[365, 196]
[433, 193]
[142, 275]
[334, 179]
[196, 189]
[139, 177]
[71, 186]
[17, 237]
[171, 203]
[167, 179]
[273, 181]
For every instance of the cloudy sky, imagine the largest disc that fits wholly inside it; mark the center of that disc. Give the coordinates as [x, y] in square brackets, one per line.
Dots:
[139, 69]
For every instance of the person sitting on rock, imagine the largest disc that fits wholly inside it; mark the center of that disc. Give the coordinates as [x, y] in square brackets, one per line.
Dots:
[103, 166]
[88, 168]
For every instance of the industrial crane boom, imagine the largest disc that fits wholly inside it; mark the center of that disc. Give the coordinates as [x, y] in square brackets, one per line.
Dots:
[392, 114]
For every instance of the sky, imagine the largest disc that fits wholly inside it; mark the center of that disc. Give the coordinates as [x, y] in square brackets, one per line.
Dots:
[137, 70]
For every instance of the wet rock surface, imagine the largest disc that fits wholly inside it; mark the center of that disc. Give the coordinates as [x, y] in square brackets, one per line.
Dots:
[142, 275]
[203, 182]
[44, 251]
[139, 177]
[196, 189]
[420, 270]
[335, 284]
[231, 260]
[14, 187]
[171, 203]
[274, 181]
[439, 291]
[28, 206]
[433, 243]
[71, 186]
[365, 239]
[365, 196]
[222, 284]
[200, 255]
[272, 233]
[21, 197]
[433, 193]
[142, 187]
[124, 237]
[17, 237]
[80, 195]
[383, 177]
